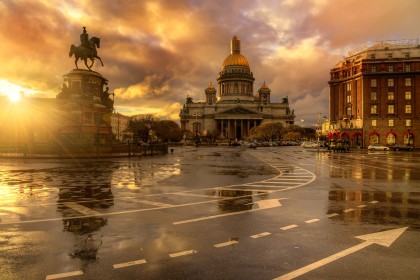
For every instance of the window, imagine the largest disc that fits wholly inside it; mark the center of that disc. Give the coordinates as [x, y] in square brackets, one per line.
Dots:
[390, 68]
[349, 87]
[373, 109]
[391, 109]
[408, 68]
[390, 82]
[373, 96]
[373, 68]
[390, 139]
[408, 81]
[408, 95]
[374, 123]
[408, 139]
[390, 122]
[348, 98]
[407, 122]
[373, 83]
[389, 55]
[407, 55]
[374, 138]
[372, 56]
[408, 109]
[390, 96]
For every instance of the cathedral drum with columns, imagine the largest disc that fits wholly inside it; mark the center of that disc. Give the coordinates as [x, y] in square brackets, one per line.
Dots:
[233, 110]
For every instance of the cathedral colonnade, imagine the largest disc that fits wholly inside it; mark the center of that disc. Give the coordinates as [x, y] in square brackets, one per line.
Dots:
[238, 129]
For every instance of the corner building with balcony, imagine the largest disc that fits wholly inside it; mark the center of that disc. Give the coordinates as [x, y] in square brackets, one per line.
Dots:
[375, 95]
[232, 109]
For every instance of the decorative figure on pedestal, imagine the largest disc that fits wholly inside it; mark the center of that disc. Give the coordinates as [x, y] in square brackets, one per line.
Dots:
[87, 49]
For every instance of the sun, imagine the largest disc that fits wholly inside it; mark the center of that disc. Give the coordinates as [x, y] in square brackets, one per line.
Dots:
[13, 91]
[14, 97]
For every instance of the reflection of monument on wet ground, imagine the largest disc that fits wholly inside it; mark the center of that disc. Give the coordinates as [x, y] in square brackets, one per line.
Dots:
[86, 191]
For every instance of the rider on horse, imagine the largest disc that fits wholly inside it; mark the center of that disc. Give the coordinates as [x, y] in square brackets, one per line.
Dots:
[84, 38]
[86, 49]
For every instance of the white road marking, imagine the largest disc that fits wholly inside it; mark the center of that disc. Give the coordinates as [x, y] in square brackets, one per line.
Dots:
[245, 189]
[63, 275]
[224, 244]
[361, 206]
[288, 179]
[81, 209]
[288, 227]
[268, 203]
[374, 201]
[283, 186]
[260, 235]
[332, 215]
[183, 253]
[384, 238]
[262, 204]
[121, 265]
[311, 221]
[287, 176]
[154, 203]
[348, 210]
[195, 195]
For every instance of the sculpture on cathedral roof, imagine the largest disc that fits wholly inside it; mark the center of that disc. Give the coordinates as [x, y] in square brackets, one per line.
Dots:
[86, 49]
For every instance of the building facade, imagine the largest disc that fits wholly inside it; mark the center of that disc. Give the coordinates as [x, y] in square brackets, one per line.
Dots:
[233, 109]
[120, 125]
[374, 95]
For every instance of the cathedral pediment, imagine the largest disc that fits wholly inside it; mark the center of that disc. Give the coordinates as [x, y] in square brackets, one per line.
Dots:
[238, 111]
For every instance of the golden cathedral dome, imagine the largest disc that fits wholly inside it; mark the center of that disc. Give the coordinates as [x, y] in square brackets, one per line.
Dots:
[235, 58]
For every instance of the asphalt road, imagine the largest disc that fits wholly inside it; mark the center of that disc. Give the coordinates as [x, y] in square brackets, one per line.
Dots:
[213, 213]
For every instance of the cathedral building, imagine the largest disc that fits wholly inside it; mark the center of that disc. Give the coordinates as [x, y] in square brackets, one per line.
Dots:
[233, 109]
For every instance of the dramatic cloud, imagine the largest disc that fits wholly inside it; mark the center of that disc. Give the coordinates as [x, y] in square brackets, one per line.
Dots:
[158, 52]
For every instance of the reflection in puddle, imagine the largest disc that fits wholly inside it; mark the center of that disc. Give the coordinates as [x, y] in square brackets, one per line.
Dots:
[234, 200]
[79, 201]
[391, 208]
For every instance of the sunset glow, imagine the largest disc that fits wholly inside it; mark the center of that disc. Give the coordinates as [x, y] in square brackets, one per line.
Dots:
[12, 91]
[157, 52]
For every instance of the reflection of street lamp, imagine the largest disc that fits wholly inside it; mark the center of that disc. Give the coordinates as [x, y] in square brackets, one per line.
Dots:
[196, 115]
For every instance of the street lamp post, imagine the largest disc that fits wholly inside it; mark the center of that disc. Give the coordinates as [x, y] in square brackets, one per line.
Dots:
[196, 115]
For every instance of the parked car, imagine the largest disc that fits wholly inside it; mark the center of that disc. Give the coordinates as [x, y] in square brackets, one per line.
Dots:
[377, 147]
[309, 144]
[399, 147]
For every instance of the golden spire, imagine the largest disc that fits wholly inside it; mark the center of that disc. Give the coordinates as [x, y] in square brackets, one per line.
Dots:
[235, 45]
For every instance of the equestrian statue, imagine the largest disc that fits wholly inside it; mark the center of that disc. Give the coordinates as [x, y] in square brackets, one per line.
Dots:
[86, 49]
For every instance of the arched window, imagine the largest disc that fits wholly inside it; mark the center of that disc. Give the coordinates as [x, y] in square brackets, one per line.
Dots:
[374, 139]
[390, 138]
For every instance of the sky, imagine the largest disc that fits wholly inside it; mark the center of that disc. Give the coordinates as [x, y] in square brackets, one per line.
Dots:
[157, 52]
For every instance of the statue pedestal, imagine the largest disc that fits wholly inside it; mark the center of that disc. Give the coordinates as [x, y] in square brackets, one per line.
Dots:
[88, 108]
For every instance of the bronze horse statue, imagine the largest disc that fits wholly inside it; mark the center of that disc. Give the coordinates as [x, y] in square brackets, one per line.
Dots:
[83, 53]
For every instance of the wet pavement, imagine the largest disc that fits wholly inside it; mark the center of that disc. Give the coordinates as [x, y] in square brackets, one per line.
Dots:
[212, 213]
